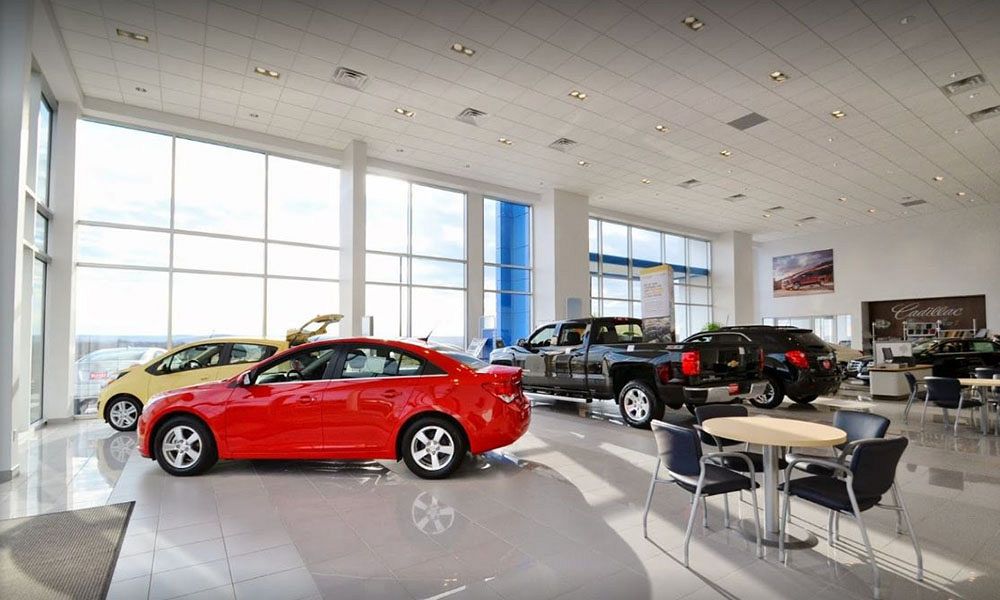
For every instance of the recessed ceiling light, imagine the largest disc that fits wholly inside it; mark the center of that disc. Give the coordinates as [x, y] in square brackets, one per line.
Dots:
[955, 74]
[266, 72]
[767, 215]
[960, 194]
[583, 163]
[399, 110]
[957, 131]
[399, 149]
[838, 114]
[662, 128]
[254, 116]
[141, 89]
[139, 37]
[578, 94]
[973, 95]
[644, 180]
[462, 49]
[725, 152]
[871, 210]
[693, 22]
[906, 20]
[778, 76]
[938, 178]
[842, 199]
[829, 139]
[504, 141]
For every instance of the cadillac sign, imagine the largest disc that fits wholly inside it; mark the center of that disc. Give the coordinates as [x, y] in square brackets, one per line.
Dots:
[959, 312]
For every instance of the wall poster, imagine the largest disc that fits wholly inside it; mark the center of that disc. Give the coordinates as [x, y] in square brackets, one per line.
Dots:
[801, 274]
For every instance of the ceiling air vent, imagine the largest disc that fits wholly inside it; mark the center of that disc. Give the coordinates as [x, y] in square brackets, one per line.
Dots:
[690, 183]
[350, 78]
[774, 208]
[910, 203]
[562, 144]
[986, 113]
[747, 121]
[471, 116]
[963, 85]
[806, 219]
[736, 197]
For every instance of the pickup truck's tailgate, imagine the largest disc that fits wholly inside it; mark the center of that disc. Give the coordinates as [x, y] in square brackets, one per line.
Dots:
[728, 361]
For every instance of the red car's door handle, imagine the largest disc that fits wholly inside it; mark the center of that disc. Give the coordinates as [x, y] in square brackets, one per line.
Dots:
[306, 399]
[390, 394]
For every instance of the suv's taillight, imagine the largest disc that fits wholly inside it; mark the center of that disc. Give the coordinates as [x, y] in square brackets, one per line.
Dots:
[797, 358]
[691, 363]
[663, 373]
[507, 390]
[760, 360]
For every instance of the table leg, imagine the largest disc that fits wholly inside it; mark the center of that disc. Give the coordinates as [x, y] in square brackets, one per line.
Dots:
[984, 412]
[772, 506]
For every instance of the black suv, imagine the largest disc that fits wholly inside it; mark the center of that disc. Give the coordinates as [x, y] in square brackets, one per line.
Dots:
[797, 363]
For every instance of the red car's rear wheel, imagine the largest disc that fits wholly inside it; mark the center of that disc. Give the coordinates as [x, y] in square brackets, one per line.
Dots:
[433, 448]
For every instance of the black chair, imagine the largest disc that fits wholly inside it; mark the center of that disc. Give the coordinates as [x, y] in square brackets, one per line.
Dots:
[714, 411]
[946, 393]
[854, 489]
[915, 394]
[679, 451]
[858, 426]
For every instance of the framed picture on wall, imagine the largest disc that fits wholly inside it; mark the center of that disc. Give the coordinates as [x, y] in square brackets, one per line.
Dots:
[804, 273]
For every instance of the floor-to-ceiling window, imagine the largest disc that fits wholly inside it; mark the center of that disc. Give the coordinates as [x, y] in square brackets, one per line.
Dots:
[179, 239]
[38, 246]
[618, 252]
[835, 329]
[415, 260]
[507, 268]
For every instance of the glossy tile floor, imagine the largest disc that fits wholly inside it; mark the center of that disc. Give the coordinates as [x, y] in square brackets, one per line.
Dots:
[556, 515]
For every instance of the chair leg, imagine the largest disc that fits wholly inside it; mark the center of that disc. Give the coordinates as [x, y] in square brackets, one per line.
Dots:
[725, 504]
[899, 513]
[923, 414]
[756, 523]
[649, 499]
[783, 525]
[909, 527]
[694, 511]
[836, 526]
[704, 512]
[829, 528]
[868, 544]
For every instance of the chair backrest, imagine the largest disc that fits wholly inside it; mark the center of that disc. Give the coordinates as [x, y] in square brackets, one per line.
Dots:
[911, 381]
[985, 372]
[943, 389]
[874, 465]
[678, 447]
[860, 425]
[714, 411]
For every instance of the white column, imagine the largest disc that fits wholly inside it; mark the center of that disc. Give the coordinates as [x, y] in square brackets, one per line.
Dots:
[732, 278]
[352, 236]
[60, 330]
[474, 261]
[15, 73]
[561, 246]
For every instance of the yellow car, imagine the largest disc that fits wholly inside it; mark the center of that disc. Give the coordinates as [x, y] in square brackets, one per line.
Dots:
[121, 401]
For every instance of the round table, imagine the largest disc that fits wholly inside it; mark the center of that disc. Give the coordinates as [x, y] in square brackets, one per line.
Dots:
[980, 386]
[773, 435]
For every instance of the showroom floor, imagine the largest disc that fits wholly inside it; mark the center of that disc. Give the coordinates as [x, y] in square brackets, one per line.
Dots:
[555, 515]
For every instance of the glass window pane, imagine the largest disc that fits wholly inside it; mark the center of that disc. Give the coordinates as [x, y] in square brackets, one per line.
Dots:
[218, 189]
[385, 268]
[594, 246]
[43, 151]
[438, 227]
[122, 175]
[249, 353]
[636, 288]
[440, 313]
[681, 321]
[37, 340]
[595, 286]
[114, 246]
[302, 261]
[698, 279]
[218, 254]
[699, 295]
[113, 330]
[674, 247]
[615, 287]
[637, 310]
[216, 305]
[507, 233]
[41, 232]
[508, 279]
[385, 304]
[646, 247]
[386, 210]
[699, 316]
[698, 254]
[491, 211]
[614, 241]
[290, 303]
[437, 272]
[614, 308]
[513, 315]
[680, 293]
[308, 365]
[303, 202]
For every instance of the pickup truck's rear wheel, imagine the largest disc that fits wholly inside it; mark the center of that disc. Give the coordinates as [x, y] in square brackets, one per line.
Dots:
[639, 405]
[804, 399]
[773, 394]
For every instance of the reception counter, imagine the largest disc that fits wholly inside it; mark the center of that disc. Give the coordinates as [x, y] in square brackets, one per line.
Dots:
[888, 381]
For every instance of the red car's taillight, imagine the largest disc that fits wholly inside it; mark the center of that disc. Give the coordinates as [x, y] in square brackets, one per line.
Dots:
[507, 390]
[797, 358]
[663, 373]
[691, 363]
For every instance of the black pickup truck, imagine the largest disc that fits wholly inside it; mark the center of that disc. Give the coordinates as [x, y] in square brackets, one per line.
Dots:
[605, 358]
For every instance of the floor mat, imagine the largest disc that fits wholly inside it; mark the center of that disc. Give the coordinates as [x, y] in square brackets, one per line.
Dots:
[69, 554]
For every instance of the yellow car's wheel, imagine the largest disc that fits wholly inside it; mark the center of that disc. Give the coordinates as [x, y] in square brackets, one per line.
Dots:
[123, 413]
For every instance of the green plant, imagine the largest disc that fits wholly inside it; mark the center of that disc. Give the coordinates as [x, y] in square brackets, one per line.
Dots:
[713, 326]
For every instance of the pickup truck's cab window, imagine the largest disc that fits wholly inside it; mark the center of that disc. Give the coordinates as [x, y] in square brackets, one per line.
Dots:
[571, 334]
[618, 333]
[546, 336]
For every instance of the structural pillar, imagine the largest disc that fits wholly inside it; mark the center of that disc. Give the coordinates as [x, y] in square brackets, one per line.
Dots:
[732, 278]
[562, 272]
[352, 236]
[474, 259]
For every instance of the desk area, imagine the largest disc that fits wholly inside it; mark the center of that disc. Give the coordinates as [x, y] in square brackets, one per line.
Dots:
[888, 381]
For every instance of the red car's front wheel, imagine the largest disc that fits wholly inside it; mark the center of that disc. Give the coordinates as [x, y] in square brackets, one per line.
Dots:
[433, 448]
[185, 446]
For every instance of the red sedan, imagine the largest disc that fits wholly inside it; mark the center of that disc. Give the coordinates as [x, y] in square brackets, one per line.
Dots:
[347, 399]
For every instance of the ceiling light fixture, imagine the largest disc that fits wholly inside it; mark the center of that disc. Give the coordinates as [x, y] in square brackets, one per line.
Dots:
[778, 76]
[139, 37]
[906, 20]
[504, 141]
[662, 128]
[938, 178]
[960, 194]
[871, 210]
[399, 110]
[646, 181]
[462, 49]
[842, 199]
[141, 89]
[583, 163]
[767, 215]
[725, 152]
[266, 72]
[693, 23]
[399, 149]
[578, 94]
[838, 114]
[254, 116]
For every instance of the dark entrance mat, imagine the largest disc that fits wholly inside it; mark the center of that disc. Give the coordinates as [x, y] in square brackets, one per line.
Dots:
[69, 554]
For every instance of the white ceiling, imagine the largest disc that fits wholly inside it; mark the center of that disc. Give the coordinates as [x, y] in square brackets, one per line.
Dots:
[639, 66]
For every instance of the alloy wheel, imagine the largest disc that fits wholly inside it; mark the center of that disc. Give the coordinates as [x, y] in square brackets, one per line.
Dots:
[182, 447]
[123, 414]
[636, 405]
[431, 516]
[433, 448]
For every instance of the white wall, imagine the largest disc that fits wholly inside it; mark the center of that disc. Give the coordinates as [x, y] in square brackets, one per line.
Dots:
[947, 254]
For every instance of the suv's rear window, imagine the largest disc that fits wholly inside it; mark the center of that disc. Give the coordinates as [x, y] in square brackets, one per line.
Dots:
[809, 340]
